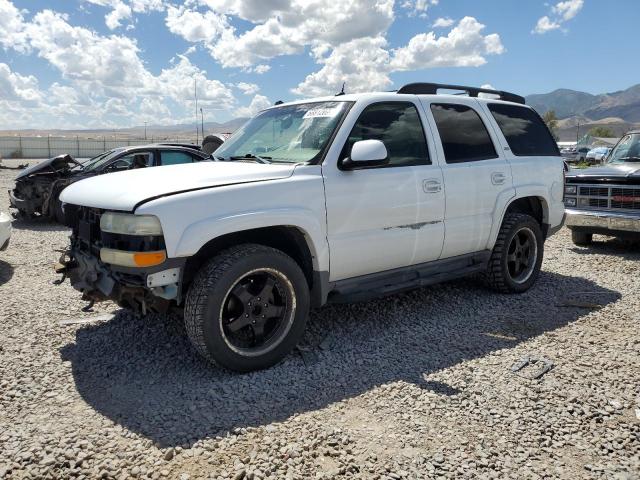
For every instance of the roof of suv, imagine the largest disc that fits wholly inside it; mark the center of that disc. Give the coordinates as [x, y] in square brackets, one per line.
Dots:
[429, 90]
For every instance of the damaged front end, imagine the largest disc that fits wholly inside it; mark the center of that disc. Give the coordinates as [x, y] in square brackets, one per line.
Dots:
[38, 187]
[153, 288]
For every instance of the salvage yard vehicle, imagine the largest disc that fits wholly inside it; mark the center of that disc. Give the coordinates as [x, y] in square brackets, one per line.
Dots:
[606, 200]
[334, 199]
[5, 230]
[38, 187]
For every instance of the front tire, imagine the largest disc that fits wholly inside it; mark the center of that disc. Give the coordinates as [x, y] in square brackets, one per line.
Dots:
[247, 307]
[517, 255]
[582, 239]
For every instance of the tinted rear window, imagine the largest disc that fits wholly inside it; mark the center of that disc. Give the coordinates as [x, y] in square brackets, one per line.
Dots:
[526, 133]
[463, 134]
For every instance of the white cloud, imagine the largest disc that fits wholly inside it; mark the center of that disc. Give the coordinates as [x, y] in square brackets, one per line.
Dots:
[194, 26]
[12, 27]
[418, 7]
[443, 22]
[121, 11]
[568, 9]
[362, 64]
[464, 46]
[259, 102]
[365, 64]
[23, 89]
[248, 88]
[260, 69]
[286, 27]
[561, 12]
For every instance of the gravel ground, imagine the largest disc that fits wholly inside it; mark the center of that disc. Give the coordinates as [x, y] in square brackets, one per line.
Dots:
[412, 386]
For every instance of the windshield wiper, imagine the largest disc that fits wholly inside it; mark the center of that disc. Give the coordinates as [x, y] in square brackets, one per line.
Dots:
[629, 159]
[251, 156]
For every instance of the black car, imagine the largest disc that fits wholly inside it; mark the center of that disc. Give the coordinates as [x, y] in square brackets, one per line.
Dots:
[606, 200]
[38, 187]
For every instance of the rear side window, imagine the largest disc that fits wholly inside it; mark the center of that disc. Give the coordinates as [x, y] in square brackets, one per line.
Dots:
[398, 126]
[464, 136]
[175, 158]
[526, 133]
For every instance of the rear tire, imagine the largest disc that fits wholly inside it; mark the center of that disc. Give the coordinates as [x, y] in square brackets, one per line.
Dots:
[517, 255]
[247, 307]
[582, 239]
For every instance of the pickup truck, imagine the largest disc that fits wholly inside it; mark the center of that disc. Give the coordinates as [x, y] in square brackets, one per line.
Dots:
[606, 199]
[334, 199]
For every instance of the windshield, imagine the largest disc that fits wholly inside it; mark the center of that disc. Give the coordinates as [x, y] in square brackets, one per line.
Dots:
[290, 134]
[627, 149]
[99, 160]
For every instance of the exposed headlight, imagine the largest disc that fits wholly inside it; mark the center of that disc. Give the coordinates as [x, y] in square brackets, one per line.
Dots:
[570, 189]
[570, 202]
[127, 224]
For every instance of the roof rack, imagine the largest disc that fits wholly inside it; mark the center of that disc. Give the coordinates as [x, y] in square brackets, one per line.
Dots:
[432, 89]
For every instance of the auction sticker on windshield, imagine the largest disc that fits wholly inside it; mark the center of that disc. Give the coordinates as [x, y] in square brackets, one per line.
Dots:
[322, 112]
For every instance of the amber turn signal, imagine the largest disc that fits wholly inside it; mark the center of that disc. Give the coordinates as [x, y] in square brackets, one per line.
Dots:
[132, 259]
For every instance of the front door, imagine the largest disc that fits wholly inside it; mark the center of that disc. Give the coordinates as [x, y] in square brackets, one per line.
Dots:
[374, 215]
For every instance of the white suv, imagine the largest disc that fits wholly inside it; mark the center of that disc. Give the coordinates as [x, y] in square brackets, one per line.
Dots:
[325, 200]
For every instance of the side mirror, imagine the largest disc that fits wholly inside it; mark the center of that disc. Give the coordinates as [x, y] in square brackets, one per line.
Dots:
[366, 154]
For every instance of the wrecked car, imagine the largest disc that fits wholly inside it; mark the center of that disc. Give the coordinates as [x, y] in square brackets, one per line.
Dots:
[38, 187]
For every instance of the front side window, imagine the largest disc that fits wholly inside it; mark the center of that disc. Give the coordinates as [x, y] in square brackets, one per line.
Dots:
[398, 126]
[463, 134]
[170, 157]
[524, 130]
[289, 134]
[133, 160]
[627, 149]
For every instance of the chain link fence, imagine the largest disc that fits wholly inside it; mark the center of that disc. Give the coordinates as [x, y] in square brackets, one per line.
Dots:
[47, 147]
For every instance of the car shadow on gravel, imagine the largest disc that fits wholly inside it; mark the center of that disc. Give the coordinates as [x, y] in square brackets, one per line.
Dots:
[38, 224]
[6, 272]
[611, 246]
[141, 373]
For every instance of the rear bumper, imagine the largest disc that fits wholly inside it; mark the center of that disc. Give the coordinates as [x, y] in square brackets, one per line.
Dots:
[615, 222]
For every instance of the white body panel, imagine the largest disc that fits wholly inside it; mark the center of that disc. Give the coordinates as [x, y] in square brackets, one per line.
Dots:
[5, 228]
[124, 190]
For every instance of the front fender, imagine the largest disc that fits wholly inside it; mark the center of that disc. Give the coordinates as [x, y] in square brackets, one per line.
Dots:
[196, 235]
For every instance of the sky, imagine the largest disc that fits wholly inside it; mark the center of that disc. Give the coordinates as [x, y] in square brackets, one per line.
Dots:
[120, 63]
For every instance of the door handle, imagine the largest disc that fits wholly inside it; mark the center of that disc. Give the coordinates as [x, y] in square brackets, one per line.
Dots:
[498, 178]
[431, 186]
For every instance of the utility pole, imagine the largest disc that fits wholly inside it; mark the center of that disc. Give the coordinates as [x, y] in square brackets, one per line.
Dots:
[195, 94]
[145, 130]
[578, 134]
[202, 120]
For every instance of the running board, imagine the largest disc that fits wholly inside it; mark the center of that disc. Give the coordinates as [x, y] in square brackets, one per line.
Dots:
[367, 287]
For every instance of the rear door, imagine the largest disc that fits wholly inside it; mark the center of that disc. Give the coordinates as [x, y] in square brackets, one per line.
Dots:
[175, 157]
[474, 169]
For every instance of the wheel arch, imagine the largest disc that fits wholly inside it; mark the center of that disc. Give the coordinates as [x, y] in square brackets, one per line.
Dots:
[533, 203]
[291, 240]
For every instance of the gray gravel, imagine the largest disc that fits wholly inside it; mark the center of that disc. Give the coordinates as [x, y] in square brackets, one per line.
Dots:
[412, 386]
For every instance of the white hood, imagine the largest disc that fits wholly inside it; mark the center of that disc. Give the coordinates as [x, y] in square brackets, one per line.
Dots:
[125, 190]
